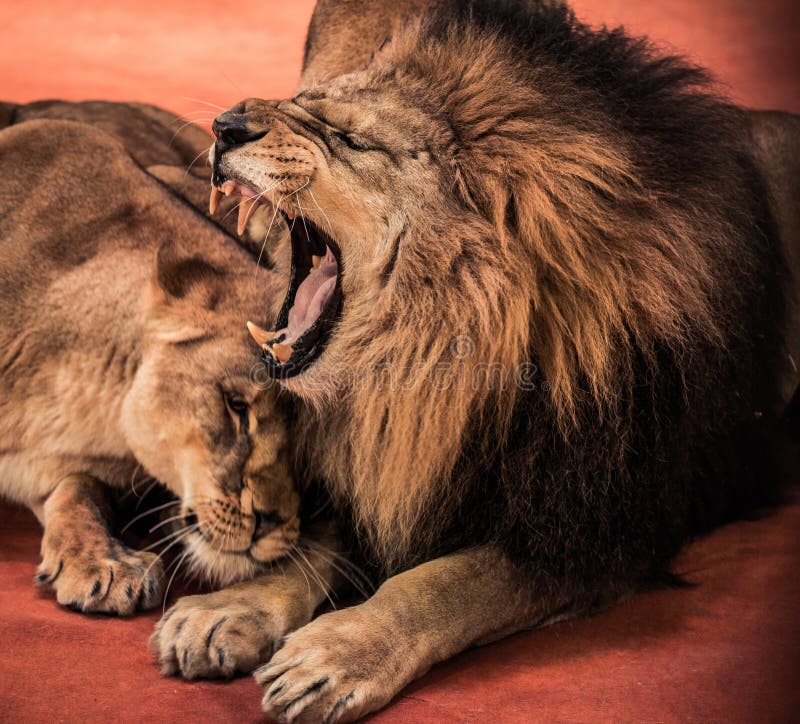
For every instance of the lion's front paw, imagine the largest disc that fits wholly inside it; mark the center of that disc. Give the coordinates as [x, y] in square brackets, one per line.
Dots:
[214, 636]
[109, 578]
[336, 669]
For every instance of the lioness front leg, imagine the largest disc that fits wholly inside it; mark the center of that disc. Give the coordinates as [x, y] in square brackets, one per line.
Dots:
[346, 664]
[238, 628]
[88, 568]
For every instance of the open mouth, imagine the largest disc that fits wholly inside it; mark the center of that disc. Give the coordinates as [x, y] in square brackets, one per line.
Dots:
[314, 299]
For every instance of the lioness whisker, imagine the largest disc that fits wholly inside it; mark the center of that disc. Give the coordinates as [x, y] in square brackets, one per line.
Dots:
[200, 501]
[133, 483]
[150, 511]
[165, 522]
[185, 530]
[171, 579]
[161, 554]
[150, 488]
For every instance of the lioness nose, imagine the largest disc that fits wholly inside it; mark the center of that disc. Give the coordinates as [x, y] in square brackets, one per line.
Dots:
[266, 522]
[232, 129]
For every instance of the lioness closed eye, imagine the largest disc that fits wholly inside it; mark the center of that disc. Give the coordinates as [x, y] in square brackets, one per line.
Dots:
[123, 354]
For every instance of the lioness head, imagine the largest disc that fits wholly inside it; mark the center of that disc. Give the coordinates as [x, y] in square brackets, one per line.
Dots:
[196, 420]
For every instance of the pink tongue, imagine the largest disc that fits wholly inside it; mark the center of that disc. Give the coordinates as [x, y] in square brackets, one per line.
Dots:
[312, 295]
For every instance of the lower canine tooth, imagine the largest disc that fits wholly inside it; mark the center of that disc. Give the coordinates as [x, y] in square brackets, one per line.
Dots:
[244, 215]
[213, 202]
[282, 352]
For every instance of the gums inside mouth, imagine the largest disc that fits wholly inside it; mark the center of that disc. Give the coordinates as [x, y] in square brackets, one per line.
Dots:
[314, 298]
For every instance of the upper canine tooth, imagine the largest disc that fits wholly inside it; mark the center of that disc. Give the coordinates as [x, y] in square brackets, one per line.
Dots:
[244, 214]
[261, 336]
[316, 260]
[213, 202]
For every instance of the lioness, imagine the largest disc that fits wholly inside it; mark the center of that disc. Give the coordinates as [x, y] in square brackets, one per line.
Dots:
[123, 352]
[539, 322]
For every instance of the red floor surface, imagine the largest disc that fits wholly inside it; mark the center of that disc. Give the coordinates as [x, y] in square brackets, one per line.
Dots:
[724, 651]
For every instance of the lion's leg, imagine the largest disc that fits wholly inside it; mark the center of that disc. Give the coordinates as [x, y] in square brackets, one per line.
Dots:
[88, 568]
[348, 663]
[237, 629]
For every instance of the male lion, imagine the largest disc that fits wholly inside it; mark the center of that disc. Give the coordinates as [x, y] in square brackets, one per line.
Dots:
[537, 321]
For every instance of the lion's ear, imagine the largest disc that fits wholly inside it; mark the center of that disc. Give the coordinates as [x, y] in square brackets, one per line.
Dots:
[190, 278]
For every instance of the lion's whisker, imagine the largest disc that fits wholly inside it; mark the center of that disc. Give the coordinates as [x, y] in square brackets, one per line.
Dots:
[205, 103]
[194, 161]
[299, 568]
[269, 229]
[321, 211]
[351, 573]
[316, 575]
[189, 122]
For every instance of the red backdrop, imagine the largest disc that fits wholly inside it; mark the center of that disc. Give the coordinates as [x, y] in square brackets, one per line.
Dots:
[167, 51]
[726, 650]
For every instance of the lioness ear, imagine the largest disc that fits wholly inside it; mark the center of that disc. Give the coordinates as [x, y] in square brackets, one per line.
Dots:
[192, 278]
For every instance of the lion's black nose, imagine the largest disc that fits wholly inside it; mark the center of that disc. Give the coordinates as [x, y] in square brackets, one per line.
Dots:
[266, 522]
[231, 129]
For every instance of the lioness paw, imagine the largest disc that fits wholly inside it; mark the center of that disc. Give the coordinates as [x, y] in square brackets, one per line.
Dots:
[214, 636]
[113, 580]
[332, 670]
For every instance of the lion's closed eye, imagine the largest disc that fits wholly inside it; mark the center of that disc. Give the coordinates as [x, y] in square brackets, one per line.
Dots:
[351, 141]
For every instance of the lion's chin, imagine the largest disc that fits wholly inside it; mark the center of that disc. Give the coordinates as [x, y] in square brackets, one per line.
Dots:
[314, 298]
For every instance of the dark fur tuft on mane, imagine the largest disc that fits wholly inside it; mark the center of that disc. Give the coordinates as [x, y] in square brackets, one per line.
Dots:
[682, 446]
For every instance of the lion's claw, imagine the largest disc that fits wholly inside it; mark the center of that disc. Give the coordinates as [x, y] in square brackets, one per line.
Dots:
[116, 580]
[213, 636]
[332, 670]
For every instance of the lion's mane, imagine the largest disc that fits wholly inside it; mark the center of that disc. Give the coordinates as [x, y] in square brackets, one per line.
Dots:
[615, 262]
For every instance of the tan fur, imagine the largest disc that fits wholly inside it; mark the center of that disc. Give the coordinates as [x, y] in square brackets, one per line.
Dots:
[344, 34]
[406, 373]
[239, 628]
[348, 663]
[87, 568]
[119, 344]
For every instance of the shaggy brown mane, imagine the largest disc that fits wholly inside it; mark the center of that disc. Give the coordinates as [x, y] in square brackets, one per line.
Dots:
[578, 258]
